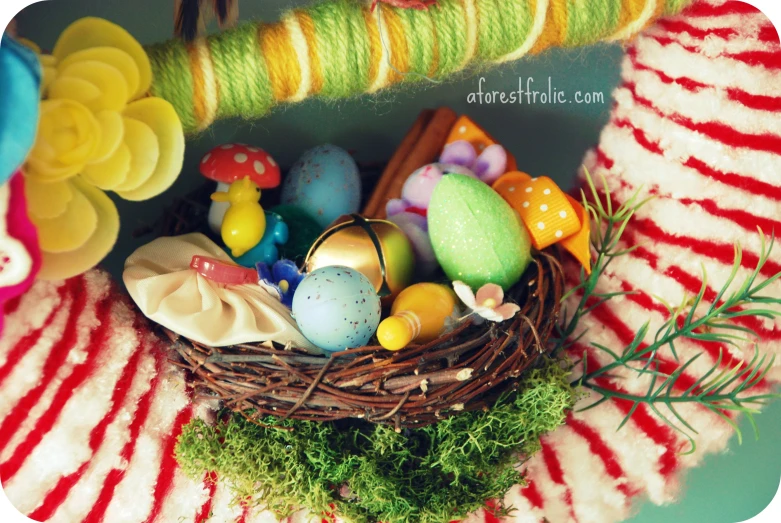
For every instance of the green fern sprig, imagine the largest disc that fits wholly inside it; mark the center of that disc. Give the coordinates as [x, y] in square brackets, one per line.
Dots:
[720, 390]
[607, 227]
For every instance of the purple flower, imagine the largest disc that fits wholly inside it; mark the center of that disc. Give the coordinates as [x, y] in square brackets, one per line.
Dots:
[283, 278]
[489, 165]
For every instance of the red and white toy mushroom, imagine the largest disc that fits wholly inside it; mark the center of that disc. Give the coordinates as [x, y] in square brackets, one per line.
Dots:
[228, 163]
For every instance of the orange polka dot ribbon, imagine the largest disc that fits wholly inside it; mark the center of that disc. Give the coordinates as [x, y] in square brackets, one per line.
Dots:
[550, 215]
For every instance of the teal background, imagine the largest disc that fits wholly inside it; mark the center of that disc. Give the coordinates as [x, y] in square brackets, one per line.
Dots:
[546, 139]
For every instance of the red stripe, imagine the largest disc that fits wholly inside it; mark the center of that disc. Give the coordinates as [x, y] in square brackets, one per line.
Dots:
[114, 477]
[701, 9]
[605, 315]
[744, 219]
[714, 130]
[551, 460]
[765, 59]
[755, 101]
[734, 180]
[650, 424]
[692, 284]
[768, 34]
[749, 100]
[60, 492]
[489, 514]
[721, 252]
[165, 479]
[751, 185]
[210, 482]
[30, 340]
[531, 493]
[96, 346]
[711, 348]
[54, 361]
[244, 514]
[679, 26]
[598, 447]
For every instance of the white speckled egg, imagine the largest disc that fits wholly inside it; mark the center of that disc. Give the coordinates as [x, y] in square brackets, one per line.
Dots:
[325, 183]
[337, 308]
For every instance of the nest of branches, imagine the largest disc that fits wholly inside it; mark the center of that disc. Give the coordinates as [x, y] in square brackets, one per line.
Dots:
[464, 370]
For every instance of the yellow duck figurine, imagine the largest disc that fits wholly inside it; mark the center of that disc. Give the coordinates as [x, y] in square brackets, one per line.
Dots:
[245, 221]
[421, 313]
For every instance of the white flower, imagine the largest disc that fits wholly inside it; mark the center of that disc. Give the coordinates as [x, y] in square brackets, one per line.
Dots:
[488, 301]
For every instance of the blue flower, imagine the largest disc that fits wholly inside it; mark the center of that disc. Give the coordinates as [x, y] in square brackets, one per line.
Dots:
[283, 277]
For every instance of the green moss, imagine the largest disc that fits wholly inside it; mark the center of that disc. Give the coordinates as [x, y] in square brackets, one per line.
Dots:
[370, 473]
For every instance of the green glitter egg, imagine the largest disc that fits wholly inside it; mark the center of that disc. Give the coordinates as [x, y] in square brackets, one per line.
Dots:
[477, 237]
[303, 228]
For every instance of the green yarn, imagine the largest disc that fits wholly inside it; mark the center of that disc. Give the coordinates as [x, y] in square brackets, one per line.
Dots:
[236, 56]
[503, 28]
[675, 6]
[450, 23]
[420, 28]
[343, 47]
[588, 21]
[173, 80]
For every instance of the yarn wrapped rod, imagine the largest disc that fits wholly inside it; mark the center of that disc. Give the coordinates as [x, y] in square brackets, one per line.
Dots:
[341, 48]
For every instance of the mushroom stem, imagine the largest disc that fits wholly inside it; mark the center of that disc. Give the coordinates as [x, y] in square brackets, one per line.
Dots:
[217, 210]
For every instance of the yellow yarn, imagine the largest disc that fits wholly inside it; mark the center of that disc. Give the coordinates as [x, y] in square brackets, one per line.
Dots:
[554, 31]
[284, 71]
[630, 12]
[308, 28]
[397, 41]
[471, 15]
[206, 95]
[375, 45]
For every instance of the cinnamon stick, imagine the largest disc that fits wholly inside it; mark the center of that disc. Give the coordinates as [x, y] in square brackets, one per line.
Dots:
[420, 146]
[377, 199]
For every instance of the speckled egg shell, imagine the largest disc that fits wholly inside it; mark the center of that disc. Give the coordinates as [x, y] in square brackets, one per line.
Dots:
[325, 183]
[476, 235]
[337, 308]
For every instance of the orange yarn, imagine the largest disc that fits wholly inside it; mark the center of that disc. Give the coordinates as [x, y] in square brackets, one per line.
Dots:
[375, 43]
[398, 43]
[435, 52]
[284, 71]
[555, 31]
[631, 11]
[316, 70]
[199, 89]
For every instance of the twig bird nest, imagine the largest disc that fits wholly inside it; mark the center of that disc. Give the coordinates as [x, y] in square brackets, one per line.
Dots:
[463, 370]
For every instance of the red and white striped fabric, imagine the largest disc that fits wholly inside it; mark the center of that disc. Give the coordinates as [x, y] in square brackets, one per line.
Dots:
[90, 409]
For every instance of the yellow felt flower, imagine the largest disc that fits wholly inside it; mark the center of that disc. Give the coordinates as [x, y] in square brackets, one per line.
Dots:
[97, 132]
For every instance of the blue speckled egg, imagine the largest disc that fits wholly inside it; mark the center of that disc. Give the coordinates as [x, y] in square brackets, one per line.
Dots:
[337, 308]
[325, 183]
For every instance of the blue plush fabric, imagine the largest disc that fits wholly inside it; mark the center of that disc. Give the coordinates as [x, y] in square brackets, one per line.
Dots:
[20, 79]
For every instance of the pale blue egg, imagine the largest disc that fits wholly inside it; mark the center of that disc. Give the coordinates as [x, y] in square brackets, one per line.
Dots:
[325, 183]
[337, 308]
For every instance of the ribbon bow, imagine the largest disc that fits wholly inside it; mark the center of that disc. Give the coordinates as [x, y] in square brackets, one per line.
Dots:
[550, 215]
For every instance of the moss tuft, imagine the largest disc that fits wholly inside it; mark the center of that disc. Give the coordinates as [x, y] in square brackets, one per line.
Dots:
[369, 473]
